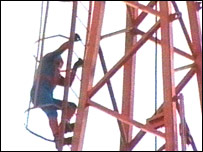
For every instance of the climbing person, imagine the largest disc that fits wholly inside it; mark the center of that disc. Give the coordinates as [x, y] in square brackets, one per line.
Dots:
[49, 76]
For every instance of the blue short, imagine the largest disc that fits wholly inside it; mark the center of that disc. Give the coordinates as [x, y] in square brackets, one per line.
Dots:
[51, 110]
[47, 103]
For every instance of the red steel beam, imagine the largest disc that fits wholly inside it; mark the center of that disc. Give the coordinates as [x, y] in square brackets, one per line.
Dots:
[176, 50]
[162, 147]
[189, 136]
[179, 87]
[88, 74]
[144, 8]
[137, 21]
[67, 78]
[184, 81]
[123, 60]
[135, 140]
[145, 128]
[183, 131]
[129, 76]
[142, 15]
[183, 25]
[196, 42]
[168, 77]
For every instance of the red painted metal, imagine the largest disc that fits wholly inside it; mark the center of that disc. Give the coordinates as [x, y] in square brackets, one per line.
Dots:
[166, 114]
[136, 22]
[184, 81]
[142, 7]
[176, 50]
[123, 60]
[188, 135]
[162, 147]
[135, 140]
[182, 25]
[196, 42]
[141, 17]
[129, 76]
[146, 128]
[87, 74]
[183, 132]
[168, 77]
[67, 78]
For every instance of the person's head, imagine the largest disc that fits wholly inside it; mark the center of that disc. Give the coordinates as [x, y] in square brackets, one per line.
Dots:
[58, 62]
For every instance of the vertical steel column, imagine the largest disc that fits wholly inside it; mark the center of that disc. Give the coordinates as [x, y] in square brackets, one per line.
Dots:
[183, 131]
[67, 78]
[168, 77]
[129, 76]
[196, 42]
[88, 74]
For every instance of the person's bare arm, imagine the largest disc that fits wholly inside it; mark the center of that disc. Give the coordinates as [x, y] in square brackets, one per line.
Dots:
[61, 81]
[78, 64]
[63, 47]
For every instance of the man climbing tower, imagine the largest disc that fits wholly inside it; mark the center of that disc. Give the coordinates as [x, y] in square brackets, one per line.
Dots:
[49, 76]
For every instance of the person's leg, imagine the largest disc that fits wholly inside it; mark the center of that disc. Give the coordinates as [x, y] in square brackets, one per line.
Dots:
[45, 97]
[53, 123]
[71, 108]
[51, 113]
